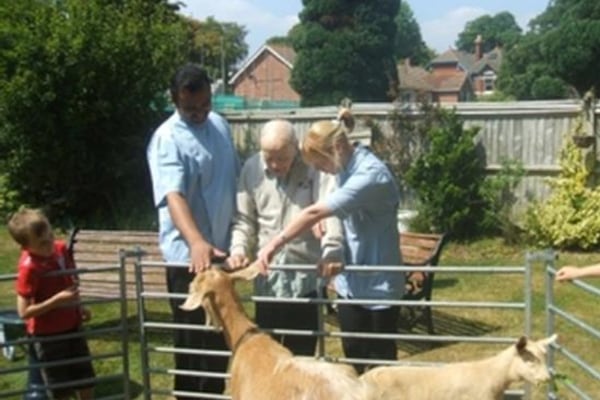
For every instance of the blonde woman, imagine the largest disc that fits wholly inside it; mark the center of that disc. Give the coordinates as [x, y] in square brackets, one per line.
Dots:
[366, 201]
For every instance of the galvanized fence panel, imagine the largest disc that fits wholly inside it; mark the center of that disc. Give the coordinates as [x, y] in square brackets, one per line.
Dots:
[149, 347]
[19, 370]
[152, 350]
[580, 360]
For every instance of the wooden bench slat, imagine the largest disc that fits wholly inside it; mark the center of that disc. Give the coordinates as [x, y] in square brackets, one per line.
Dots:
[93, 258]
[421, 249]
[97, 249]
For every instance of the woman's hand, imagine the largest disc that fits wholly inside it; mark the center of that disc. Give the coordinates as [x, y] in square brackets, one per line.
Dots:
[264, 257]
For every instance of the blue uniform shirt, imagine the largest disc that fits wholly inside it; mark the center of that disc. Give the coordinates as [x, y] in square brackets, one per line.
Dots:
[201, 163]
[367, 202]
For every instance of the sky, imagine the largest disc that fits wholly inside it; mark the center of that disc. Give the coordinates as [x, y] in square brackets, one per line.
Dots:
[440, 21]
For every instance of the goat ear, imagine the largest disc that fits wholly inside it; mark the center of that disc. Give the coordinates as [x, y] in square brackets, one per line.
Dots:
[247, 273]
[522, 343]
[194, 299]
[549, 340]
[212, 318]
[192, 302]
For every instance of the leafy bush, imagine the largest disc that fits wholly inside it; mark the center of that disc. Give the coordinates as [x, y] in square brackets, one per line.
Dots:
[77, 82]
[448, 178]
[569, 218]
[409, 139]
[8, 198]
[438, 162]
[498, 191]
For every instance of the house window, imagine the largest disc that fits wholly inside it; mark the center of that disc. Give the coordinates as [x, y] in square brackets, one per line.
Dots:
[489, 81]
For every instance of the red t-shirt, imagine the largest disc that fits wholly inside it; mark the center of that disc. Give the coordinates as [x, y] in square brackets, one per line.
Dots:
[33, 283]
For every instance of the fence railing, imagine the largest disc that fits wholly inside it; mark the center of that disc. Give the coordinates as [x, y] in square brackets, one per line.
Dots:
[581, 378]
[575, 367]
[24, 376]
[530, 133]
[328, 334]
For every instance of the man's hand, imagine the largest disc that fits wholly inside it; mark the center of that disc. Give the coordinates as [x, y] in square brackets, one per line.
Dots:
[201, 254]
[328, 268]
[236, 261]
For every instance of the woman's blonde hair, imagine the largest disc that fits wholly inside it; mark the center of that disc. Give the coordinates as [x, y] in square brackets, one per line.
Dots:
[320, 140]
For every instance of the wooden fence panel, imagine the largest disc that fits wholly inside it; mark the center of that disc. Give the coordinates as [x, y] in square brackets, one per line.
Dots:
[531, 133]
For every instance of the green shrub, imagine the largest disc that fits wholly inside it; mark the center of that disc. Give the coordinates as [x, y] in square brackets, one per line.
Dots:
[78, 80]
[441, 173]
[8, 199]
[498, 191]
[448, 178]
[569, 218]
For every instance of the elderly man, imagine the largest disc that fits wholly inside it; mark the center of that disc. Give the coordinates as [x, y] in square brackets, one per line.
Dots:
[275, 185]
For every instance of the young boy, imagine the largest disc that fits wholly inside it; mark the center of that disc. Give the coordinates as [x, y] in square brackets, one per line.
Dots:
[48, 301]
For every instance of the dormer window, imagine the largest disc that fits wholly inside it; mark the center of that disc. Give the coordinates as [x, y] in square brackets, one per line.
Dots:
[489, 81]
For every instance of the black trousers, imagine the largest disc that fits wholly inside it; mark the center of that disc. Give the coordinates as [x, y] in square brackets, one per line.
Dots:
[291, 316]
[355, 318]
[178, 280]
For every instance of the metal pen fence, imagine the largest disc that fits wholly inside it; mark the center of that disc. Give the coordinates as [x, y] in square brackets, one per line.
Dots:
[583, 380]
[156, 354]
[23, 371]
[327, 332]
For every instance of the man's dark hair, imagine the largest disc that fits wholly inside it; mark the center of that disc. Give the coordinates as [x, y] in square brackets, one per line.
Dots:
[191, 77]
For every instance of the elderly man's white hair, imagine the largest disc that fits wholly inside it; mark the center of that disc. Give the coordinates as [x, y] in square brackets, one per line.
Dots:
[277, 134]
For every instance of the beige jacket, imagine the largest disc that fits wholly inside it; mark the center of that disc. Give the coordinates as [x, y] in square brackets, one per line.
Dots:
[265, 206]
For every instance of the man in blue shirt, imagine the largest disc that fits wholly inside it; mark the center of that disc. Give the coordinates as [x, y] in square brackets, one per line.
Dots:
[194, 167]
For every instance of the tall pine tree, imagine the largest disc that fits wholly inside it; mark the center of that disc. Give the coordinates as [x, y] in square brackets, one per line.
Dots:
[345, 48]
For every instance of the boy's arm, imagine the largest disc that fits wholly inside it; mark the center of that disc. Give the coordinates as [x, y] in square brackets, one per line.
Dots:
[26, 309]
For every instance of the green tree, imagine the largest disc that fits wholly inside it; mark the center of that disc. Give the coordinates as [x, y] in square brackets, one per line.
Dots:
[498, 30]
[218, 46]
[409, 43]
[345, 49]
[560, 52]
[448, 178]
[525, 75]
[82, 85]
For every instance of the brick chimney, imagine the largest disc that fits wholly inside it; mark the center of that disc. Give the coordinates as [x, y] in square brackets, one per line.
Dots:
[478, 51]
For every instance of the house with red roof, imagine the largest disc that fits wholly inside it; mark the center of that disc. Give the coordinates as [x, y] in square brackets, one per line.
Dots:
[266, 74]
[453, 76]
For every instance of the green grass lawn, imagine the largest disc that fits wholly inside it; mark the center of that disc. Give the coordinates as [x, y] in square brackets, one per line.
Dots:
[447, 321]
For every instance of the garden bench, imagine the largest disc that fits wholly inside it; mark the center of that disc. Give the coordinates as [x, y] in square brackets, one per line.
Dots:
[420, 249]
[97, 249]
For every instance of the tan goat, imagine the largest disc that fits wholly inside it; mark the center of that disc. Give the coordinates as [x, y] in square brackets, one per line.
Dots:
[261, 368]
[485, 379]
